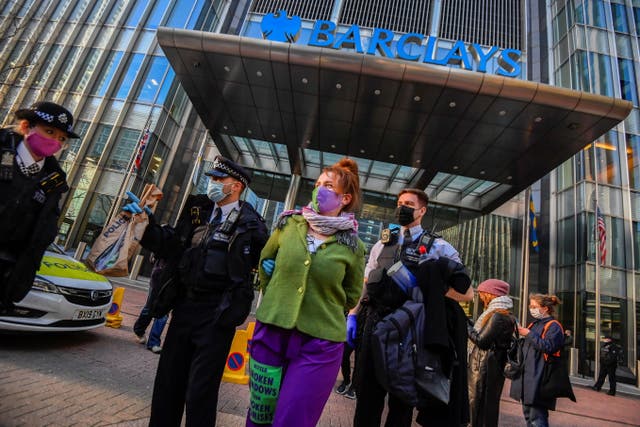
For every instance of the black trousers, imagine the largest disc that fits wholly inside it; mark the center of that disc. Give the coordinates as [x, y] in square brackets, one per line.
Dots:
[345, 366]
[604, 371]
[371, 395]
[191, 367]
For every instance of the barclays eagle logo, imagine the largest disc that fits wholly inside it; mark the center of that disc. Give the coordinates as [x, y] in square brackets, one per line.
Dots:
[278, 27]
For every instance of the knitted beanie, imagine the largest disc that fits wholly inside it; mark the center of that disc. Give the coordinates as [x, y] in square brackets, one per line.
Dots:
[494, 287]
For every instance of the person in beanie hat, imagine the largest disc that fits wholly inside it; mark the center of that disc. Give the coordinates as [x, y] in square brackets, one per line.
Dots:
[31, 185]
[489, 340]
[210, 255]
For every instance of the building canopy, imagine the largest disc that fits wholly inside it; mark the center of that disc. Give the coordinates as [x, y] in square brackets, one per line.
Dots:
[471, 139]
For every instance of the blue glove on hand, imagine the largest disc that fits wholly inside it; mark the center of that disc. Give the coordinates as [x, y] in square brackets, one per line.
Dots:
[352, 326]
[134, 207]
[268, 265]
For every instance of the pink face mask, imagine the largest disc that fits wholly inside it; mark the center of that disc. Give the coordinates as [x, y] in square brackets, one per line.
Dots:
[42, 146]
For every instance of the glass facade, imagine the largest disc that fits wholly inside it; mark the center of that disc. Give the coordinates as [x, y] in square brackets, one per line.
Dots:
[102, 60]
[595, 49]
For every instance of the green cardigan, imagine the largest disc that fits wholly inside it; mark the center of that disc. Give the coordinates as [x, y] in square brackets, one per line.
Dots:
[310, 292]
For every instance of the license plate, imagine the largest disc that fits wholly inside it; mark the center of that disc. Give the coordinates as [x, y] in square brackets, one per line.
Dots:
[88, 314]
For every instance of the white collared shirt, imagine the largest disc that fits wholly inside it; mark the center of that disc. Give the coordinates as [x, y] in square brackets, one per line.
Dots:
[25, 156]
[226, 209]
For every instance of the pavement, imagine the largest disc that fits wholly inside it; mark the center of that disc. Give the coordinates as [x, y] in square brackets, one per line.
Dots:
[103, 378]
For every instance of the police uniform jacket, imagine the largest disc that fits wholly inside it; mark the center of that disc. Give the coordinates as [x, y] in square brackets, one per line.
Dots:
[310, 292]
[186, 260]
[29, 215]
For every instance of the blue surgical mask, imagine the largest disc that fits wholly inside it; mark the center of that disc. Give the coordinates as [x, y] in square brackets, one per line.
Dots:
[215, 191]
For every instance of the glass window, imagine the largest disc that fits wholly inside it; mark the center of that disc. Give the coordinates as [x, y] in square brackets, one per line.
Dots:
[86, 71]
[123, 150]
[580, 75]
[156, 14]
[100, 138]
[97, 11]
[633, 161]
[116, 13]
[595, 13]
[136, 13]
[608, 166]
[560, 25]
[565, 175]
[62, 6]
[566, 242]
[619, 13]
[68, 155]
[602, 75]
[636, 246]
[623, 45]
[180, 13]
[77, 12]
[166, 85]
[107, 74]
[636, 17]
[45, 66]
[628, 85]
[153, 79]
[68, 65]
[130, 75]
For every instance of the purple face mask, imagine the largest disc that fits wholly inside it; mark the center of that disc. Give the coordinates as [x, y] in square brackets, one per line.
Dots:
[42, 146]
[325, 200]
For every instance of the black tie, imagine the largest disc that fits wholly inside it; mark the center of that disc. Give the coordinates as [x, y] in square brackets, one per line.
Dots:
[407, 237]
[217, 217]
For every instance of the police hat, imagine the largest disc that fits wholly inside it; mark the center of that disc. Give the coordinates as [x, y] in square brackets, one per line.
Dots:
[223, 167]
[51, 114]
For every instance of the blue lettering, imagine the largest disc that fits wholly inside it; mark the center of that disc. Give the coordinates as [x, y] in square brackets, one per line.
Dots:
[322, 35]
[381, 40]
[481, 57]
[429, 52]
[350, 39]
[401, 46]
[458, 55]
[508, 61]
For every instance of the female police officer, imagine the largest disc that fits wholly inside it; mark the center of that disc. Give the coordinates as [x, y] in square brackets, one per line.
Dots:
[31, 184]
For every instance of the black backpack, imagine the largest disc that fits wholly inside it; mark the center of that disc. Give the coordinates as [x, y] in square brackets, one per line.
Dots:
[403, 366]
[515, 358]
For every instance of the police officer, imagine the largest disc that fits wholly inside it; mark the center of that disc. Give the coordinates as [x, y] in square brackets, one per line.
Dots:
[31, 185]
[411, 244]
[211, 253]
[610, 355]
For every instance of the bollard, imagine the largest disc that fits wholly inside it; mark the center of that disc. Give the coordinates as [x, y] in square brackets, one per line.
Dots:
[238, 358]
[80, 251]
[573, 361]
[135, 267]
[235, 368]
[114, 318]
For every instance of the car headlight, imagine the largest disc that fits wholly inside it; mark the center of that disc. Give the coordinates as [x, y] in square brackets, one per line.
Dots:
[43, 285]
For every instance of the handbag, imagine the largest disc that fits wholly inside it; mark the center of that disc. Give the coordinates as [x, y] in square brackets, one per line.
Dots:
[555, 380]
[515, 357]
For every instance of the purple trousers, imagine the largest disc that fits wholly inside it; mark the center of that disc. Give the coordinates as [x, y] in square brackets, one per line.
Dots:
[309, 371]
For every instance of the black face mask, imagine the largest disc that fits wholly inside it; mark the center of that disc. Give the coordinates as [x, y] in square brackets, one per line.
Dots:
[404, 215]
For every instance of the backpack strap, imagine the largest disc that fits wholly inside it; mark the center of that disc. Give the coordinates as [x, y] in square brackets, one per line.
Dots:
[544, 331]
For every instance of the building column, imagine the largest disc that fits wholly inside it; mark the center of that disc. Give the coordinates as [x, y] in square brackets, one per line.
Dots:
[292, 192]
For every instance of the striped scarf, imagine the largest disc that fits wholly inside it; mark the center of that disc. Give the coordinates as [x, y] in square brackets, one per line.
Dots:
[504, 302]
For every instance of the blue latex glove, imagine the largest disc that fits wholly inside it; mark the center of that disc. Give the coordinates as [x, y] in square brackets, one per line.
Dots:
[134, 206]
[352, 326]
[268, 265]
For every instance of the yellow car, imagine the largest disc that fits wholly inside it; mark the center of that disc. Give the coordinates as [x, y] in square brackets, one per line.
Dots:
[65, 296]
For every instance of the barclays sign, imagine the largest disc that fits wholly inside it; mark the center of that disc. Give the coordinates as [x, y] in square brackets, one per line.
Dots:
[409, 47]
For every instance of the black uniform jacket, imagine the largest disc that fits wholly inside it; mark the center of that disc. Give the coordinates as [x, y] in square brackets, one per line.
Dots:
[29, 215]
[175, 245]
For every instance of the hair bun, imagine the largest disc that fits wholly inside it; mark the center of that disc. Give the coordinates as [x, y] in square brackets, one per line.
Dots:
[348, 164]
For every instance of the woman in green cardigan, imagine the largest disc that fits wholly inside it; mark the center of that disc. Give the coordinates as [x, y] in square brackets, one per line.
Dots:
[311, 272]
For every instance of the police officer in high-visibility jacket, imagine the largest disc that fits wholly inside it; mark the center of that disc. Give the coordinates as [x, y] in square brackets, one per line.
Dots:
[211, 253]
[31, 185]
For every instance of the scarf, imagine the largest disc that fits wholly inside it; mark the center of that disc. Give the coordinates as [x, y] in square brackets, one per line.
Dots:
[504, 302]
[343, 226]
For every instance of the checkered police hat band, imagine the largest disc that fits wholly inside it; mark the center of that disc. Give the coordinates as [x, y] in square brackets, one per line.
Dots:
[229, 171]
